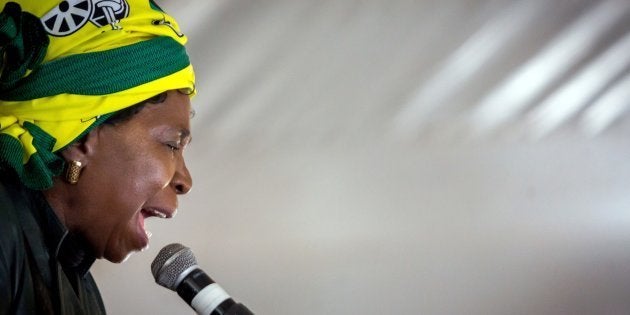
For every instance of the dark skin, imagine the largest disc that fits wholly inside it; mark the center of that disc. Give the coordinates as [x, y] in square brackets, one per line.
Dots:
[132, 170]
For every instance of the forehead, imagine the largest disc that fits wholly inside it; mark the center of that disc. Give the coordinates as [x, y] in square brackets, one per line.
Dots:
[174, 110]
[168, 119]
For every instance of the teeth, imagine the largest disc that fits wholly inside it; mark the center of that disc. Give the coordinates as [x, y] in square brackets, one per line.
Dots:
[157, 213]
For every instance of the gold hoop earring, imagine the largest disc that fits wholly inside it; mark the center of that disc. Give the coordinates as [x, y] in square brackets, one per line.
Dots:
[73, 172]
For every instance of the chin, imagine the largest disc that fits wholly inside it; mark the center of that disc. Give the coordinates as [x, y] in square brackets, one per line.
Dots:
[119, 254]
[119, 258]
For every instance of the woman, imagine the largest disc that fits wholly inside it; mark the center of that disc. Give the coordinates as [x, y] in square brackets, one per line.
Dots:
[94, 117]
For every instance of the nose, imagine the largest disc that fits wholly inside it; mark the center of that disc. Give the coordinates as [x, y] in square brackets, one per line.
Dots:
[182, 181]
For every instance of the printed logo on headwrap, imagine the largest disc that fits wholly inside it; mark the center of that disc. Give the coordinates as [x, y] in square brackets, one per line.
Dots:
[70, 15]
[109, 12]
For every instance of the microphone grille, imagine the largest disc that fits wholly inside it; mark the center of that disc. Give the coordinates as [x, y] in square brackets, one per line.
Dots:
[170, 263]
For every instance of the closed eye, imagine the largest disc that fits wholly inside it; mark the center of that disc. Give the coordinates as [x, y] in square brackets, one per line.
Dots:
[173, 146]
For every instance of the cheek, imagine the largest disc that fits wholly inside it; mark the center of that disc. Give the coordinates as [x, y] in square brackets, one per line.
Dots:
[142, 179]
[131, 170]
[147, 176]
[153, 170]
[128, 181]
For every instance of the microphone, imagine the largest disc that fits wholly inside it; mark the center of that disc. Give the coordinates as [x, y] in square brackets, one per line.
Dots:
[175, 268]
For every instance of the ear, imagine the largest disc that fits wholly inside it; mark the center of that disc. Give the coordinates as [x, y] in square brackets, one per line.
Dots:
[82, 149]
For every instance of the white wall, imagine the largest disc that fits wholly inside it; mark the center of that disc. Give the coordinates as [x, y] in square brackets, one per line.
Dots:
[471, 229]
[336, 170]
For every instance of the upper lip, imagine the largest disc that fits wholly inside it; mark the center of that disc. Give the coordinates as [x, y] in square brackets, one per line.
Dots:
[159, 212]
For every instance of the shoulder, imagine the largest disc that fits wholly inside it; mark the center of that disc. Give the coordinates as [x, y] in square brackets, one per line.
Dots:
[12, 250]
[9, 222]
[11, 238]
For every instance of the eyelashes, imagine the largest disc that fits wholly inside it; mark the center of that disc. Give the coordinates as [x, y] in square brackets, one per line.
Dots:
[173, 146]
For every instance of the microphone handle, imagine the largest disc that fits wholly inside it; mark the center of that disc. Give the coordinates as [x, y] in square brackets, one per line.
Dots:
[206, 296]
[239, 309]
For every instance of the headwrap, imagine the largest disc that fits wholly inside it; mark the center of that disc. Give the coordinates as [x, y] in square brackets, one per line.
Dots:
[68, 65]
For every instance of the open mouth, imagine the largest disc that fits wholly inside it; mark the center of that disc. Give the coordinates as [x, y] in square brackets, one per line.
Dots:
[150, 212]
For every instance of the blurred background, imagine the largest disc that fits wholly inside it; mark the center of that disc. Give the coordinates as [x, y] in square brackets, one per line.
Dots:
[414, 157]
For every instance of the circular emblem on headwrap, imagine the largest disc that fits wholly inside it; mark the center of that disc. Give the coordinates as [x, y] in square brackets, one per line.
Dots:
[67, 17]
[70, 15]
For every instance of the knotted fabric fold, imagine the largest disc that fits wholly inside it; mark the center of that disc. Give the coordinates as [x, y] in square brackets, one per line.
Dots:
[68, 65]
[23, 41]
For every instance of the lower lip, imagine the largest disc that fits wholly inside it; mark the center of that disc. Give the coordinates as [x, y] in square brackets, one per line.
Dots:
[143, 239]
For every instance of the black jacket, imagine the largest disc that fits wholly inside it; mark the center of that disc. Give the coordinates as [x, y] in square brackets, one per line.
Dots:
[43, 268]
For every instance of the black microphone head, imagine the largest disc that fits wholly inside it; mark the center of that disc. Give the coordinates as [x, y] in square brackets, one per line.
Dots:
[172, 264]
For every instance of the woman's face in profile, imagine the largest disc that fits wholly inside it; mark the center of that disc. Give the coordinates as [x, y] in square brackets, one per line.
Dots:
[135, 169]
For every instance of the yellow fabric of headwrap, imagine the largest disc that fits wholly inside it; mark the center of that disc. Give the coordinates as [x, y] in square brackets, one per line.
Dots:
[68, 64]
